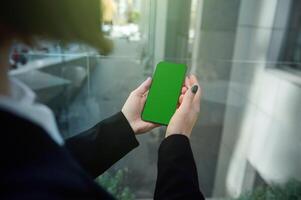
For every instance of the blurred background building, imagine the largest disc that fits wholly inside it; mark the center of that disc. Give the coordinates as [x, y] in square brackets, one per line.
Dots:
[247, 55]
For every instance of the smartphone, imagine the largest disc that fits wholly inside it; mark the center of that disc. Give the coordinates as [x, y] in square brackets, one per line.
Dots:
[164, 93]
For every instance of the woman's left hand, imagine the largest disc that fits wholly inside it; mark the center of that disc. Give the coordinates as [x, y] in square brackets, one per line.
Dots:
[133, 107]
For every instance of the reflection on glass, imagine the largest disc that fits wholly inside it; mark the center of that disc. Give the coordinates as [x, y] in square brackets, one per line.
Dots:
[248, 135]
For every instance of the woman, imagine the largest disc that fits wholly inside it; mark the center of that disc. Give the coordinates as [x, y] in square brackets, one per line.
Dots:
[35, 162]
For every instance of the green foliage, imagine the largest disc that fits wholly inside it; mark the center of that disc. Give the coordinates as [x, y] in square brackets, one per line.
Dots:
[290, 191]
[114, 183]
[134, 17]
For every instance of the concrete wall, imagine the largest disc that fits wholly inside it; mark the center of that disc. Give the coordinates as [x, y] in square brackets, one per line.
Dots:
[262, 119]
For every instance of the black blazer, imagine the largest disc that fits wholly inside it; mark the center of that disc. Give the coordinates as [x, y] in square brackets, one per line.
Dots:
[33, 166]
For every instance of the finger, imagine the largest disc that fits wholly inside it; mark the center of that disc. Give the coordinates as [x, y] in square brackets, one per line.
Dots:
[155, 125]
[197, 99]
[151, 125]
[193, 80]
[143, 97]
[146, 93]
[184, 89]
[181, 99]
[198, 95]
[187, 82]
[189, 96]
[144, 87]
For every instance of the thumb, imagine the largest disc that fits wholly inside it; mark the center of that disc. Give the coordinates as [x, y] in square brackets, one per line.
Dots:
[189, 96]
[144, 87]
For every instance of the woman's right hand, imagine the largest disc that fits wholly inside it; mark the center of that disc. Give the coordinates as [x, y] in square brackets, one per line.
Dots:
[187, 113]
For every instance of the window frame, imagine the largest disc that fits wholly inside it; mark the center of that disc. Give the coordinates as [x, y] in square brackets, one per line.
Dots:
[279, 43]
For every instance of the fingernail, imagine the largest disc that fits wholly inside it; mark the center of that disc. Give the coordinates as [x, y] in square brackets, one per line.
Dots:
[194, 89]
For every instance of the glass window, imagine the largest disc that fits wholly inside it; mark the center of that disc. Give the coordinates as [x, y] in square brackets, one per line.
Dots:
[291, 46]
[248, 134]
[284, 51]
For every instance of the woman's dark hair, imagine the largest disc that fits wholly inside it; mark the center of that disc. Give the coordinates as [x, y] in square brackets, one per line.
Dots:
[63, 20]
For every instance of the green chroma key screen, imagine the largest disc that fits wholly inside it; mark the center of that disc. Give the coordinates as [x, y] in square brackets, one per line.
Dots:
[164, 92]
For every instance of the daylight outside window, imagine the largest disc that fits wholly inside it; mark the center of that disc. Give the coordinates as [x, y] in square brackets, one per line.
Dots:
[248, 135]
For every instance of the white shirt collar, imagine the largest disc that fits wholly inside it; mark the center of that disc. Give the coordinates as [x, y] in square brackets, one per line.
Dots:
[22, 103]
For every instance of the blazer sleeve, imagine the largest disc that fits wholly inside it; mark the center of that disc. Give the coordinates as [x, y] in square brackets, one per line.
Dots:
[177, 174]
[100, 147]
